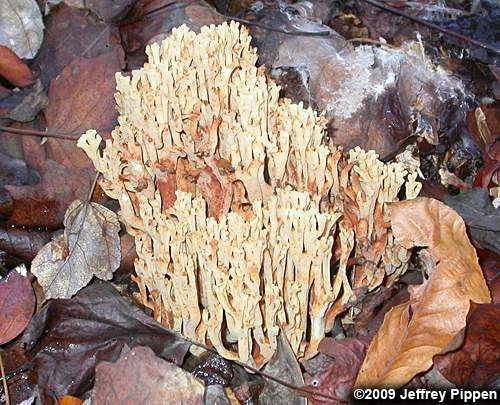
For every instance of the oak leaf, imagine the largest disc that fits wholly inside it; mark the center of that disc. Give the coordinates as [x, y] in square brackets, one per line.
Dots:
[413, 332]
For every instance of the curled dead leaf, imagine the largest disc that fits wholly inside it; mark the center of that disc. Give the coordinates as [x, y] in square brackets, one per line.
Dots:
[89, 246]
[413, 332]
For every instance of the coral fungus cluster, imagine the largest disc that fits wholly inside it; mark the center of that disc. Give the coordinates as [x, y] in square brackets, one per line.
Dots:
[247, 220]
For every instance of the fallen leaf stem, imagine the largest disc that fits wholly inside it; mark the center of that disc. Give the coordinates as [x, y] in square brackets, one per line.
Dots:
[32, 132]
[19, 370]
[5, 388]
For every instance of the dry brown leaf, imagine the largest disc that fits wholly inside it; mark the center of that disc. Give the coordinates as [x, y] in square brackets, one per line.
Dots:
[80, 96]
[412, 333]
[44, 204]
[140, 377]
[89, 246]
[14, 69]
[17, 302]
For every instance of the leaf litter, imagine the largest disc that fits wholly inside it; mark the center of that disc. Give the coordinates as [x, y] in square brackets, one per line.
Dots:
[69, 337]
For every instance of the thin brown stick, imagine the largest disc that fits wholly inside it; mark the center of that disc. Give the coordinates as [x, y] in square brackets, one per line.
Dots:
[92, 189]
[32, 132]
[269, 376]
[433, 26]
[5, 388]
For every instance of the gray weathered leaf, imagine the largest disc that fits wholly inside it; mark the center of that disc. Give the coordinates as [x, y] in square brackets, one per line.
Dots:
[215, 395]
[89, 246]
[30, 105]
[105, 10]
[480, 216]
[285, 366]
[21, 27]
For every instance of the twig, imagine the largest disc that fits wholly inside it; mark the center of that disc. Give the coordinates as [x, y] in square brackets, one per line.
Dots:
[92, 189]
[32, 132]
[433, 26]
[25, 367]
[268, 376]
[5, 388]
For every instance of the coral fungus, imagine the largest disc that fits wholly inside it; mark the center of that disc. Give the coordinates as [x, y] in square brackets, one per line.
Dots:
[245, 215]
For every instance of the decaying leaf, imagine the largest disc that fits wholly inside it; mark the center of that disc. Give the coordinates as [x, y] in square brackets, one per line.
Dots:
[412, 333]
[67, 338]
[214, 394]
[17, 302]
[104, 10]
[16, 171]
[213, 369]
[334, 371]
[139, 377]
[22, 27]
[285, 366]
[30, 105]
[44, 204]
[90, 82]
[481, 217]
[23, 243]
[475, 364]
[89, 246]
[14, 69]
[84, 36]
